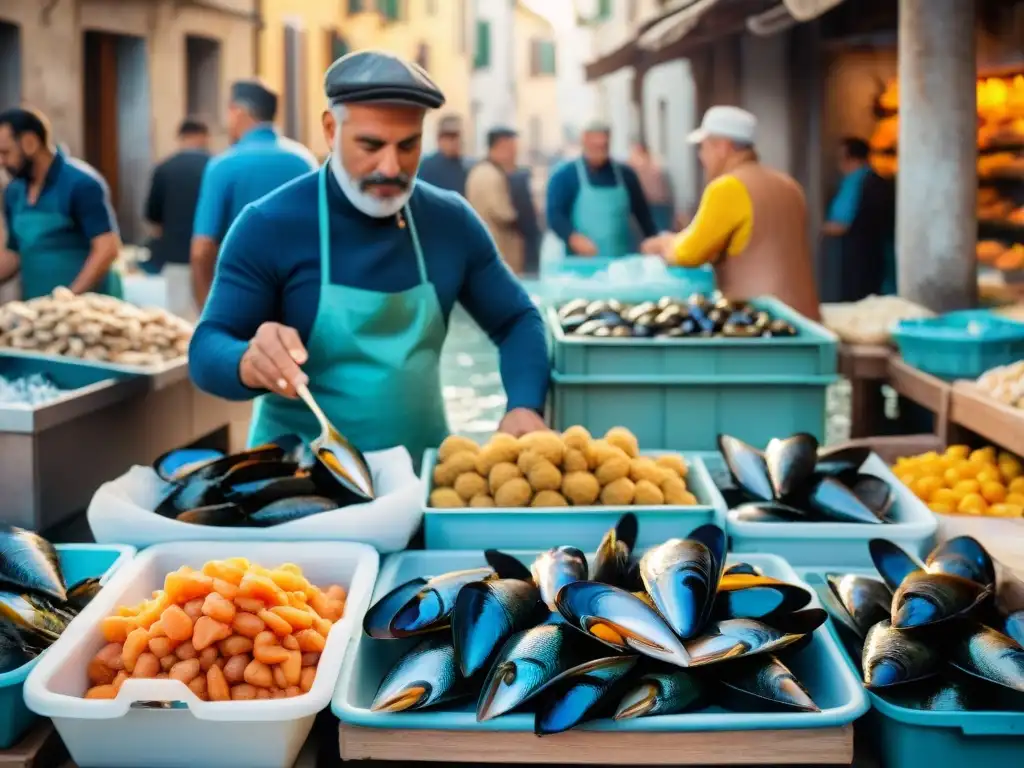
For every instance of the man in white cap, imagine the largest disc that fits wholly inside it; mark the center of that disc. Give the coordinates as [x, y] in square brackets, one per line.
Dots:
[752, 220]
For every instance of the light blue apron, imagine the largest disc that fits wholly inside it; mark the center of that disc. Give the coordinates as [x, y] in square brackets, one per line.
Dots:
[374, 362]
[52, 253]
[603, 214]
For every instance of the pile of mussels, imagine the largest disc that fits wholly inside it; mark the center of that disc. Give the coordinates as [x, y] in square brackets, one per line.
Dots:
[672, 632]
[697, 316]
[941, 635]
[793, 481]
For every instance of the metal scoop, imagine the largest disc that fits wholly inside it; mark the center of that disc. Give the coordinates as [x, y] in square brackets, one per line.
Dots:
[343, 460]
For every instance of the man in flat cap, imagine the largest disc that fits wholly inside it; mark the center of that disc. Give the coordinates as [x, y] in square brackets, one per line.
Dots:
[344, 281]
[446, 168]
[260, 161]
[489, 192]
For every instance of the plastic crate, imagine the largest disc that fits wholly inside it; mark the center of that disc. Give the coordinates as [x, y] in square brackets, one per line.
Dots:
[540, 528]
[820, 666]
[960, 344]
[910, 738]
[687, 413]
[77, 561]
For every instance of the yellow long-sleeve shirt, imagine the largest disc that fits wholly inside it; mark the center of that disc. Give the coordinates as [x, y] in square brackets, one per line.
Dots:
[723, 222]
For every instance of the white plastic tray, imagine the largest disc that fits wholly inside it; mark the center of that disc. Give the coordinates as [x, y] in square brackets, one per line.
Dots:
[194, 734]
[121, 511]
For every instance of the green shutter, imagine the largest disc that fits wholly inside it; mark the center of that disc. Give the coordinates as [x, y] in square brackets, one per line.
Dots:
[604, 10]
[547, 58]
[355, 6]
[482, 58]
[339, 47]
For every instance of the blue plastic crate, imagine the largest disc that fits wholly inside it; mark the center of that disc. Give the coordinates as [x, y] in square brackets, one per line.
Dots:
[910, 738]
[540, 528]
[77, 561]
[812, 352]
[821, 666]
[687, 413]
[960, 344]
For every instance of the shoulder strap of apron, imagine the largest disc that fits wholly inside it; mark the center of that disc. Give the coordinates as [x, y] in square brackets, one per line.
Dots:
[619, 181]
[581, 173]
[420, 263]
[324, 225]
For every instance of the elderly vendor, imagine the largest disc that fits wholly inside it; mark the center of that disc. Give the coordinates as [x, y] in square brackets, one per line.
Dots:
[345, 279]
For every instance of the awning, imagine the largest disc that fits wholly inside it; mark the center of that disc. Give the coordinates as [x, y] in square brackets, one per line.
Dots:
[679, 20]
[788, 14]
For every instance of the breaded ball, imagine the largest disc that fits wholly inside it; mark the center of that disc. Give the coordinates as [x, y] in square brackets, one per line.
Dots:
[599, 451]
[514, 493]
[689, 500]
[546, 443]
[618, 493]
[675, 462]
[470, 484]
[580, 488]
[527, 459]
[457, 464]
[549, 499]
[446, 498]
[675, 491]
[481, 500]
[501, 474]
[613, 468]
[644, 468]
[501, 449]
[624, 439]
[576, 438]
[575, 461]
[456, 444]
[544, 476]
[665, 474]
[648, 493]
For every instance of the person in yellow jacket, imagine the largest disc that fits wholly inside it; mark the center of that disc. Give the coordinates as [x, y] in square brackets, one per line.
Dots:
[751, 223]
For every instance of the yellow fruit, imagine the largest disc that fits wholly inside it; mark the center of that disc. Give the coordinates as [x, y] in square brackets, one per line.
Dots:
[970, 469]
[990, 475]
[985, 455]
[993, 493]
[1010, 467]
[1016, 485]
[931, 468]
[965, 487]
[972, 504]
[946, 497]
[942, 509]
[908, 479]
[958, 451]
[1014, 498]
[1006, 510]
[924, 487]
[952, 476]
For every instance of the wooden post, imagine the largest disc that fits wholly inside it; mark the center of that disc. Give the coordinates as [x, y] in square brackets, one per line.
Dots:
[936, 186]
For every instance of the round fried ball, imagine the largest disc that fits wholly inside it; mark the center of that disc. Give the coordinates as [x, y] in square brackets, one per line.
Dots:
[502, 448]
[643, 468]
[501, 474]
[624, 439]
[648, 493]
[675, 491]
[481, 500]
[599, 451]
[580, 488]
[576, 438]
[575, 461]
[546, 443]
[527, 459]
[458, 463]
[446, 498]
[514, 493]
[675, 462]
[544, 476]
[665, 474]
[612, 469]
[470, 484]
[454, 444]
[618, 493]
[549, 499]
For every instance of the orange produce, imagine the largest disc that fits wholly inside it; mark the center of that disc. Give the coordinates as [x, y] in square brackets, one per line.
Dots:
[231, 631]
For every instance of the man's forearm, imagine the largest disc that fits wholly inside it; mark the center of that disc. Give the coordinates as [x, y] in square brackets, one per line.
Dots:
[204, 262]
[9, 264]
[101, 258]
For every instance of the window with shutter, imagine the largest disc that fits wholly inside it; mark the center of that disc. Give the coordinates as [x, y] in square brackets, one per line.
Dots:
[546, 57]
[356, 6]
[604, 10]
[482, 57]
[390, 9]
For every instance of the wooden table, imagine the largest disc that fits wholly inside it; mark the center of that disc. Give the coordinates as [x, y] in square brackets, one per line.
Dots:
[866, 366]
[926, 390]
[41, 748]
[974, 410]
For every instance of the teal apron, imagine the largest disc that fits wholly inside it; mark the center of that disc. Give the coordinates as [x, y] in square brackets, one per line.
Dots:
[603, 214]
[374, 362]
[52, 253]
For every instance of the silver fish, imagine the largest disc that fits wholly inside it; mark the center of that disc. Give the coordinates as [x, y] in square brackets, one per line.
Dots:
[763, 684]
[892, 656]
[423, 677]
[577, 694]
[983, 652]
[555, 568]
[662, 693]
[734, 638]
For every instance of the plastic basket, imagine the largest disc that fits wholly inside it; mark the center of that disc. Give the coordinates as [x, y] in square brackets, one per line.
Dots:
[77, 561]
[190, 732]
[540, 528]
[820, 666]
[960, 344]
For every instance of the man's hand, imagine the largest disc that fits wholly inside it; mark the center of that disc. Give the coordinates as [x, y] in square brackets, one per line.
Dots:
[582, 245]
[521, 421]
[272, 360]
[659, 245]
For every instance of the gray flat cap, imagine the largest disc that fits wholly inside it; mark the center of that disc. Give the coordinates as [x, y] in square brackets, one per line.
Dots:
[380, 77]
[254, 94]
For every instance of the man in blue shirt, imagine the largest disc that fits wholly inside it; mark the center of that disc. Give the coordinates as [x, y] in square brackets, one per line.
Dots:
[344, 280]
[446, 168]
[592, 200]
[61, 229]
[259, 162]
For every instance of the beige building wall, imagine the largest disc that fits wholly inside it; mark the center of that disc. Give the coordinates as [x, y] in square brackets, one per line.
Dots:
[540, 133]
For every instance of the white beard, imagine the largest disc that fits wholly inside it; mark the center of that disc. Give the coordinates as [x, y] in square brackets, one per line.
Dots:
[377, 207]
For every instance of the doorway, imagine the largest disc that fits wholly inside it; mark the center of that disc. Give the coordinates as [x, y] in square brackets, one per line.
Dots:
[10, 65]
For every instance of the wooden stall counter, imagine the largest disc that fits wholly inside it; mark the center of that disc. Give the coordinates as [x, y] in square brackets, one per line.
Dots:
[1001, 424]
[866, 366]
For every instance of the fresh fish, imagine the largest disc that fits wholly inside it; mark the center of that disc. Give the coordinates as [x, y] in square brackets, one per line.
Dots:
[224, 515]
[528, 662]
[866, 601]
[937, 694]
[742, 569]
[288, 509]
[756, 597]
[963, 556]
[790, 463]
[767, 512]
[763, 684]
[555, 568]
[431, 608]
[875, 493]
[377, 621]
[577, 694]
[612, 562]
[833, 500]
[13, 653]
[892, 563]
[33, 617]
[176, 464]
[983, 652]
[747, 467]
[82, 593]
[843, 459]
[662, 693]
[486, 614]
[734, 638]
[423, 677]
[621, 620]
[924, 599]
[682, 577]
[29, 562]
[892, 656]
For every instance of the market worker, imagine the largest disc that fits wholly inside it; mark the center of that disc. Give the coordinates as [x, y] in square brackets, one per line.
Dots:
[345, 278]
[260, 161]
[752, 220]
[593, 200]
[489, 191]
[61, 229]
[446, 168]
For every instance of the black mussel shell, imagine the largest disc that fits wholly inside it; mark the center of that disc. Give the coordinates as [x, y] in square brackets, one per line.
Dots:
[259, 495]
[965, 557]
[296, 450]
[377, 621]
[574, 307]
[833, 500]
[734, 330]
[781, 329]
[834, 461]
[892, 563]
[644, 327]
[289, 508]
[924, 599]
[876, 494]
[590, 327]
[663, 692]
[577, 695]
[718, 318]
[761, 319]
[621, 331]
[214, 470]
[742, 569]
[81, 593]
[603, 333]
[14, 652]
[643, 309]
[673, 333]
[735, 638]
[724, 304]
[224, 515]
[767, 512]
[892, 656]
[698, 300]
[669, 318]
[940, 694]
[667, 301]
[192, 492]
[178, 463]
[572, 323]
[757, 597]
[600, 307]
[990, 655]
[30, 562]
[612, 561]
[763, 684]
[747, 467]
[486, 614]
[790, 463]
[1013, 626]
[864, 600]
